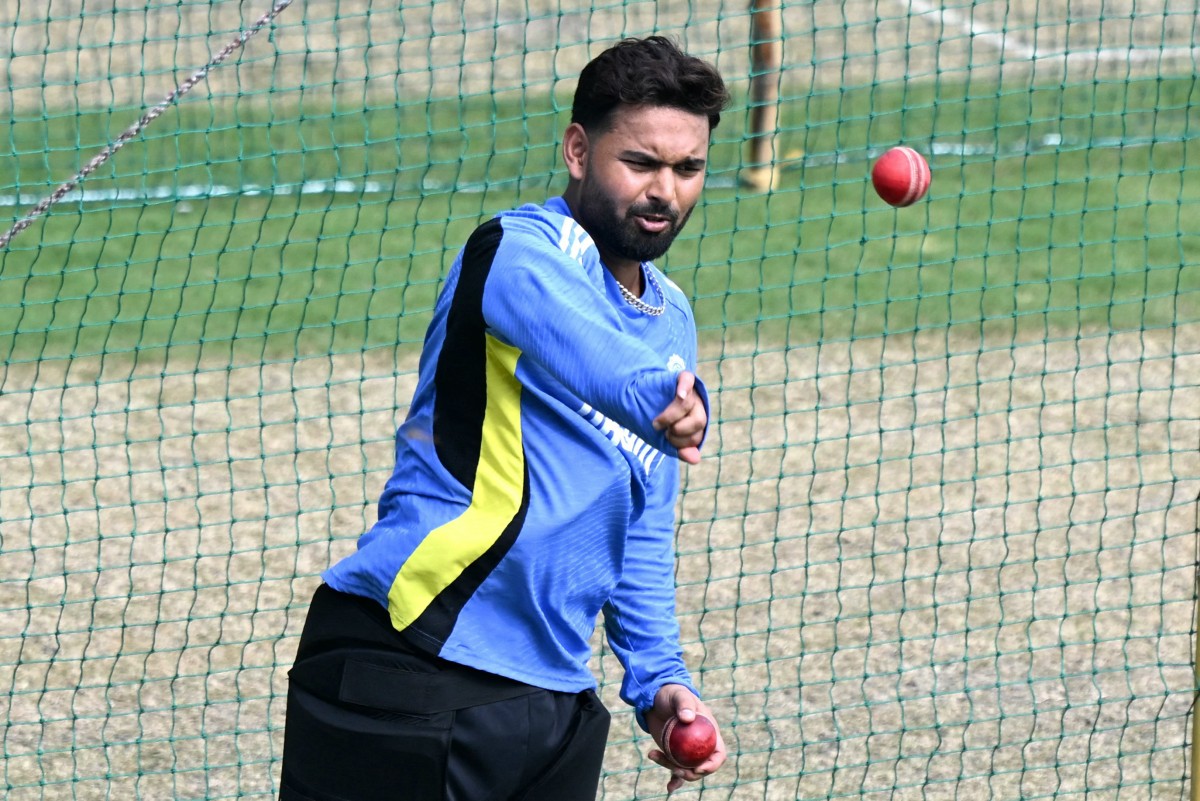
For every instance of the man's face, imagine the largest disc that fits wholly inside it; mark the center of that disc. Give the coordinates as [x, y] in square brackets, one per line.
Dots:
[641, 179]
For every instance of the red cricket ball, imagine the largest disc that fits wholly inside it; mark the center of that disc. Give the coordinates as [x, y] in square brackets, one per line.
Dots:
[689, 744]
[901, 176]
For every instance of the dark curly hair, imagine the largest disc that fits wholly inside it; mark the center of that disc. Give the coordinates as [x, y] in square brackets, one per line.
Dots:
[647, 72]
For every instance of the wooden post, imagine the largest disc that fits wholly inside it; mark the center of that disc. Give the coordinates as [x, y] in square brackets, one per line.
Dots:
[766, 63]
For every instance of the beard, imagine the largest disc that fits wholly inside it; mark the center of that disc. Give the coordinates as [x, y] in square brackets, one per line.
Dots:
[620, 234]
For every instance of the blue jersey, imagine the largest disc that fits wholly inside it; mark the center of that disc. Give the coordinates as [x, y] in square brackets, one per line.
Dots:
[531, 492]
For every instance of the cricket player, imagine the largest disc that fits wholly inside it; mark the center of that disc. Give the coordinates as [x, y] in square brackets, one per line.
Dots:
[535, 485]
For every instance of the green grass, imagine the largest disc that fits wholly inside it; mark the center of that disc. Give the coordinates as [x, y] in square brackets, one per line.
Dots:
[1090, 229]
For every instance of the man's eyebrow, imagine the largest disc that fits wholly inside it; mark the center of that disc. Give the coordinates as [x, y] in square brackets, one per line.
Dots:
[690, 162]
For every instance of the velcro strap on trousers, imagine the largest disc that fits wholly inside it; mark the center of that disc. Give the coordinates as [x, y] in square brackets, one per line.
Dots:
[395, 689]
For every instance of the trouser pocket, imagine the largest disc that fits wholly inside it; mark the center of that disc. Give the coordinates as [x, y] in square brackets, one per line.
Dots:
[574, 775]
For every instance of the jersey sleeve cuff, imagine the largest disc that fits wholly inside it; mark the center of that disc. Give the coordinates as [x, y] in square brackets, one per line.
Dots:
[647, 703]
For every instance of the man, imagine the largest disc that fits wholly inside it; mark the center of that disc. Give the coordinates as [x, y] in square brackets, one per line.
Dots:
[535, 486]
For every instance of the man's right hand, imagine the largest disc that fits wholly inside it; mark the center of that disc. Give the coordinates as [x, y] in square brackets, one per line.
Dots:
[685, 419]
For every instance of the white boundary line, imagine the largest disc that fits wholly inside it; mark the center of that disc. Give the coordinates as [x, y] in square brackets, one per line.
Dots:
[198, 192]
[1011, 45]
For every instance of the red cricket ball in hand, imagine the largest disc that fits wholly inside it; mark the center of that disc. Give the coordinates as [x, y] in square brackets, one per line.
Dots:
[901, 176]
[689, 744]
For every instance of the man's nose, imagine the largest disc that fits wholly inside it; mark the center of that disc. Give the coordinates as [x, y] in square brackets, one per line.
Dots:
[662, 186]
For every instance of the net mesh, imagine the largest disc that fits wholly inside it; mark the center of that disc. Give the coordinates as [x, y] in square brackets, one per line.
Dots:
[943, 542]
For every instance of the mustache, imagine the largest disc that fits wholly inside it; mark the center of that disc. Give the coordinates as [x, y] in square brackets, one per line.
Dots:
[654, 209]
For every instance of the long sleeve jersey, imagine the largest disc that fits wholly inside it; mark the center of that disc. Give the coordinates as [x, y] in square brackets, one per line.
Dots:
[531, 492]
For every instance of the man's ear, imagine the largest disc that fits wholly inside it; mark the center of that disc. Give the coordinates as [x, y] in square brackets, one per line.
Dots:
[575, 150]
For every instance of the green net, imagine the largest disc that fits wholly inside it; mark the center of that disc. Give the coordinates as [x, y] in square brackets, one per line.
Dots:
[943, 542]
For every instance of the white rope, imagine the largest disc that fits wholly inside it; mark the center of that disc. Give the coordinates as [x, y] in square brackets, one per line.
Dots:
[147, 118]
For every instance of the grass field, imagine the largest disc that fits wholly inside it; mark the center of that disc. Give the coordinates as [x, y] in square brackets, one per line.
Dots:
[1057, 208]
[943, 543]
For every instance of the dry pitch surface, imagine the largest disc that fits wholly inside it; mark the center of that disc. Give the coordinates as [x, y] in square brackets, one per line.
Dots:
[910, 567]
[73, 54]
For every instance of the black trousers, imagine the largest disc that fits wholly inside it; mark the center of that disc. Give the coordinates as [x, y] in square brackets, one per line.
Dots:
[371, 717]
